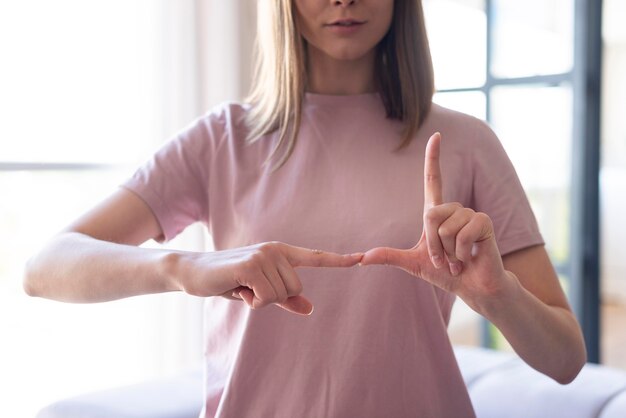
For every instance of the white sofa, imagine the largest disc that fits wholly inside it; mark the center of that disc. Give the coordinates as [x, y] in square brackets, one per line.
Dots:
[500, 386]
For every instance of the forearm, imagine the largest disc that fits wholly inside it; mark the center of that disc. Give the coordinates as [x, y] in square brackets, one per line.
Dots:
[78, 268]
[547, 337]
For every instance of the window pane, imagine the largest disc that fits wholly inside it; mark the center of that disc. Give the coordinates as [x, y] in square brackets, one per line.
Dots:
[79, 80]
[470, 102]
[534, 124]
[532, 37]
[457, 35]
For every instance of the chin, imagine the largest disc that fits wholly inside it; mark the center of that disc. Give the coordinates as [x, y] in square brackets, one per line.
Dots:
[348, 54]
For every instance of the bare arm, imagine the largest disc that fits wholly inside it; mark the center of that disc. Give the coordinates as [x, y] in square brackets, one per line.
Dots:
[534, 316]
[97, 259]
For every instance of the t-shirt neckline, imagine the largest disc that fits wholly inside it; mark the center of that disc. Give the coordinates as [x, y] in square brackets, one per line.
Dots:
[341, 99]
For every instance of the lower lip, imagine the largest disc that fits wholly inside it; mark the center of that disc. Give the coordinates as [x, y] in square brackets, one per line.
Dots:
[345, 30]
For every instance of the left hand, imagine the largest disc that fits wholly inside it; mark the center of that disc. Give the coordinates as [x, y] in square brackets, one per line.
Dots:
[457, 250]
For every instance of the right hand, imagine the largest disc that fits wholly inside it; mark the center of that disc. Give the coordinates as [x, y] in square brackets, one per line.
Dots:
[259, 274]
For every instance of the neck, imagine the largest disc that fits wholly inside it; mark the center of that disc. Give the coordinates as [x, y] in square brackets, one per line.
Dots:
[327, 75]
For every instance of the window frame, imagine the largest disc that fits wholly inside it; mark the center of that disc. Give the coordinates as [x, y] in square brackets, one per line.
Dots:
[582, 264]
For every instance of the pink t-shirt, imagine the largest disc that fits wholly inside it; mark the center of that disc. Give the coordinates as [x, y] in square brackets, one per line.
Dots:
[377, 343]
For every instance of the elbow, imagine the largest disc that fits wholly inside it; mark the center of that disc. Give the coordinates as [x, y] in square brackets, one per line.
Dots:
[567, 378]
[29, 281]
[576, 358]
[570, 371]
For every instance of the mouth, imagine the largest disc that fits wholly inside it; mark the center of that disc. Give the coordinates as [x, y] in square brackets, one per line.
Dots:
[346, 22]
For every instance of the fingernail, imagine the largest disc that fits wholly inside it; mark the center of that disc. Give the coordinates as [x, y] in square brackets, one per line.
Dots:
[455, 269]
[437, 261]
[312, 309]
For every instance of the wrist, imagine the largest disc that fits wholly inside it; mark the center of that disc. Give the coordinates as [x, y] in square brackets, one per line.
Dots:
[170, 264]
[502, 297]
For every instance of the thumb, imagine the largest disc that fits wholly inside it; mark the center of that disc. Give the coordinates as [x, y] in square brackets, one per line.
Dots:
[387, 256]
[298, 305]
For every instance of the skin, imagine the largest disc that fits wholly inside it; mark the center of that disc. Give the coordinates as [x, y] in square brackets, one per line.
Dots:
[97, 259]
[349, 59]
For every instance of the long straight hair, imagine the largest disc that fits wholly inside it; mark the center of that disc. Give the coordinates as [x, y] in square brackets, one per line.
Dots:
[404, 74]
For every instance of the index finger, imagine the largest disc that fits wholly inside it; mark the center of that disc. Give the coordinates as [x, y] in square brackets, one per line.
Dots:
[433, 189]
[306, 257]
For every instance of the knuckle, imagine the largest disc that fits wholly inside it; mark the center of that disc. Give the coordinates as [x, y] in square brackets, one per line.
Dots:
[256, 260]
[267, 248]
[483, 217]
[445, 232]
[431, 216]
[267, 297]
[277, 245]
[469, 212]
[294, 289]
[315, 259]
[273, 246]
[431, 177]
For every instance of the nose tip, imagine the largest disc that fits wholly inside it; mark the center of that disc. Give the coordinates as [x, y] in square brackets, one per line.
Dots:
[344, 2]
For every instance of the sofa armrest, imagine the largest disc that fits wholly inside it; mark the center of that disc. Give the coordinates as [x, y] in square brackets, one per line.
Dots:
[504, 386]
[175, 397]
[615, 407]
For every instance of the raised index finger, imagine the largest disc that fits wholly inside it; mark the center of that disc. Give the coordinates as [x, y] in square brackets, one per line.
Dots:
[433, 189]
[306, 257]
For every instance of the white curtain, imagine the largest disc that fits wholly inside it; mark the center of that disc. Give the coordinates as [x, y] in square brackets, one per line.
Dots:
[207, 60]
[134, 73]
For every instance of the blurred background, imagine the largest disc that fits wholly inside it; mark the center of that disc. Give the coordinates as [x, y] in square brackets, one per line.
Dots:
[88, 90]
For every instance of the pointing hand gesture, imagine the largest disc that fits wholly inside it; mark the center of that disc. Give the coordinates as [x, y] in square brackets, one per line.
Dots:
[457, 250]
[260, 274]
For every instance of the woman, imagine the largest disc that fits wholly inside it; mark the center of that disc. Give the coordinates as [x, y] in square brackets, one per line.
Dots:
[329, 154]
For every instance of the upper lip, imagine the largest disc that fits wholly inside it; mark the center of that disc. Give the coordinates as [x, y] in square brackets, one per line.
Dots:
[346, 21]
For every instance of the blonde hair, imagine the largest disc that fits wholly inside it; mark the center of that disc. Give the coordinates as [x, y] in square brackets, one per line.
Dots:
[404, 74]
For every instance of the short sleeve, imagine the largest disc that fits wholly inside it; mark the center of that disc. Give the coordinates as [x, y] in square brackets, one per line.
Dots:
[498, 192]
[173, 183]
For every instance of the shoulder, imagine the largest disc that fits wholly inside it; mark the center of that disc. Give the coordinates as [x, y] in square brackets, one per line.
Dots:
[228, 117]
[229, 112]
[221, 124]
[459, 125]
[469, 140]
[463, 133]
